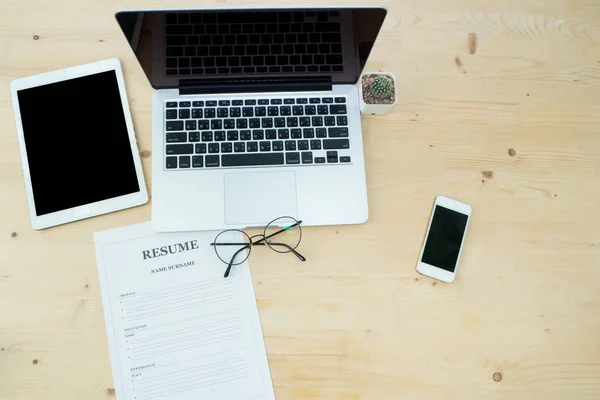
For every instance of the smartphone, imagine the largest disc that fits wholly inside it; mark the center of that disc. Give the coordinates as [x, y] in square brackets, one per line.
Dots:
[444, 239]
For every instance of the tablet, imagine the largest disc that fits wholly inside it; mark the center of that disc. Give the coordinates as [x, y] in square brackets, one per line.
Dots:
[77, 143]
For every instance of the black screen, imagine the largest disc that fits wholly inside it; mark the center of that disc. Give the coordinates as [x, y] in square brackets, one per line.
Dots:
[77, 142]
[182, 47]
[445, 237]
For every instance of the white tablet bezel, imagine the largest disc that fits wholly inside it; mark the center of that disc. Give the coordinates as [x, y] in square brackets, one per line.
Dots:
[99, 207]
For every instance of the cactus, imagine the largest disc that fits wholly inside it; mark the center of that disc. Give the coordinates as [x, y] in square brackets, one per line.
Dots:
[380, 87]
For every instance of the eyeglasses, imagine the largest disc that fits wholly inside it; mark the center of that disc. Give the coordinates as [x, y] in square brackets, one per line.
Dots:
[282, 235]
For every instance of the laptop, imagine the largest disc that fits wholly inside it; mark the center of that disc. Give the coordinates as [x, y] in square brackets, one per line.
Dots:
[255, 114]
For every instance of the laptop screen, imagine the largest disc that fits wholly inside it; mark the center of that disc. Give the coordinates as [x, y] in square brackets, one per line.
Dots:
[181, 47]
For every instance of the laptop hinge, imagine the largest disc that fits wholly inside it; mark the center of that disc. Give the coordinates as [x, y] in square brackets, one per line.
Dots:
[253, 85]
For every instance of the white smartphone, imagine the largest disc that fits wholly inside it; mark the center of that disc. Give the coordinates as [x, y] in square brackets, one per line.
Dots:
[444, 239]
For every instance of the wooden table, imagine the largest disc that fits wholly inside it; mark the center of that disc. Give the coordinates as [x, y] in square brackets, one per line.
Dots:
[508, 123]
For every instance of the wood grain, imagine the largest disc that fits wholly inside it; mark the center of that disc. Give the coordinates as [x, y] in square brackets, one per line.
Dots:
[511, 129]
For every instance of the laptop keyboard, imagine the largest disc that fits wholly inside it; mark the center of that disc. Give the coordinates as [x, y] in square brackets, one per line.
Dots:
[262, 42]
[256, 132]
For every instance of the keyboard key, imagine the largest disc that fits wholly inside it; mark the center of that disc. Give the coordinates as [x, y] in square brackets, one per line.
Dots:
[323, 110]
[267, 122]
[211, 161]
[248, 112]
[203, 124]
[292, 158]
[223, 103]
[213, 147]
[276, 101]
[265, 146]
[307, 157]
[304, 121]
[260, 111]
[250, 102]
[254, 123]
[190, 125]
[176, 137]
[342, 120]
[290, 145]
[345, 159]
[172, 161]
[288, 101]
[309, 133]
[292, 121]
[209, 112]
[222, 112]
[245, 135]
[302, 144]
[258, 134]
[201, 148]
[184, 161]
[239, 147]
[301, 101]
[317, 121]
[279, 122]
[338, 132]
[263, 102]
[319, 160]
[278, 145]
[332, 156]
[270, 134]
[184, 104]
[219, 136]
[329, 144]
[207, 136]
[285, 110]
[171, 114]
[329, 121]
[211, 103]
[174, 125]
[327, 100]
[197, 113]
[239, 160]
[340, 99]
[232, 135]
[180, 149]
[237, 102]
[338, 109]
[273, 111]
[310, 110]
[235, 112]
[315, 144]
[252, 147]
[298, 110]
[184, 113]
[241, 123]
[216, 124]
[229, 123]
[314, 100]
[321, 132]
[283, 133]
[198, 103]
[194, 137]
[197, 161]
[226, 147]
[171, 104]
[296, 133]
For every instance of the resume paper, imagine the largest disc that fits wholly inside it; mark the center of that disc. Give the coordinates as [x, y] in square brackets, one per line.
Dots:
[177, 329]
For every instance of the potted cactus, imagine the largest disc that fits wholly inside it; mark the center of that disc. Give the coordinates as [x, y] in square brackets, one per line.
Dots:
[377, 92]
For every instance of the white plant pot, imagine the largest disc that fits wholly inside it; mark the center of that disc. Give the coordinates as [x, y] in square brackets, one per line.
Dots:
[377, 109]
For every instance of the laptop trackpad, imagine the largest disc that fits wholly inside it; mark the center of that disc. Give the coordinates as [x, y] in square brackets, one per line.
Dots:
[255, 199]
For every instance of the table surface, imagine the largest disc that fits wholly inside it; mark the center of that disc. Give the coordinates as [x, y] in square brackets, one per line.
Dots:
[507, 123]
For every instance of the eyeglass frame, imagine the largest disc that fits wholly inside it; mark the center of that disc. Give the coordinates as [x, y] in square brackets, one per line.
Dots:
[260, 242]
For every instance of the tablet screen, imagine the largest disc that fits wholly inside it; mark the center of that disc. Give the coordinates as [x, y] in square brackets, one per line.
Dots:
[77, 143]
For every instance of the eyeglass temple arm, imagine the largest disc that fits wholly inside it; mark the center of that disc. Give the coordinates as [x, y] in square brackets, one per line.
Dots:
[300, 256]
[228, 270]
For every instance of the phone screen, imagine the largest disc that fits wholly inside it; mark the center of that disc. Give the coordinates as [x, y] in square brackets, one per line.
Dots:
[445, 238]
